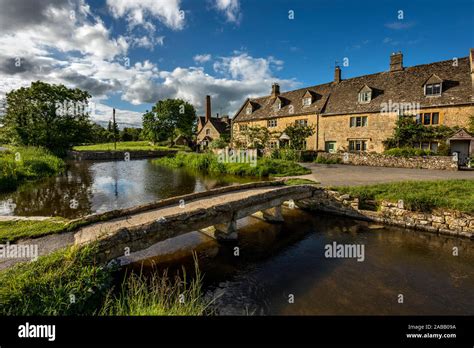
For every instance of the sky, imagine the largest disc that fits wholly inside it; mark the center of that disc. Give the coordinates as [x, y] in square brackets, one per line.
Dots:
[131, 53]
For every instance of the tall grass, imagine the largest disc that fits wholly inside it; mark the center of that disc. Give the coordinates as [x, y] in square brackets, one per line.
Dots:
[157, 295]
[209, 163]
[20, 164]
[66, 282]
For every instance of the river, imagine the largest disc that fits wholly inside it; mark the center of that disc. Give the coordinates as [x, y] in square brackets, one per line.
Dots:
[280, 269]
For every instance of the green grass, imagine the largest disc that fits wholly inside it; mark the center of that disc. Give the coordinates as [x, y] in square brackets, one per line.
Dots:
[157, 295]
[12, 231]
[420, 195]
[126, 146]
[70, 282]
[209, 163]
[66, 282]
[21, 164]
[292, 182]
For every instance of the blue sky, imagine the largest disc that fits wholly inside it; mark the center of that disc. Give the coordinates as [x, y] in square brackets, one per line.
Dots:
[231, 49]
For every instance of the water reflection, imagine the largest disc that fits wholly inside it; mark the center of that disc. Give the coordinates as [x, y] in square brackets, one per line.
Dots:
[90, 187]
[275, 261]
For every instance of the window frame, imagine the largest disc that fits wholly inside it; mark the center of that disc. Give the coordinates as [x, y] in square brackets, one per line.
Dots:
[359, 121]
[365, 97]
[272, 123]
[307, 101]
[358, 143]
[431, 87]
[301, 122]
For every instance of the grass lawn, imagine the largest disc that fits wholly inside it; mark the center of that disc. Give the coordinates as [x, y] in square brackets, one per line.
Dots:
[420, 195]
[208, 163]
[12, 231]
[126, 146]
[20, 164]
[70, 282]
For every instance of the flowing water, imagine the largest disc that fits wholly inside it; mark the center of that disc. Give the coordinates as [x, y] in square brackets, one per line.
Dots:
[277, 268]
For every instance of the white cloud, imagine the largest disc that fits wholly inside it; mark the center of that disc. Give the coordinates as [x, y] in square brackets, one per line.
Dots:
[139, 13]
[231, 9]
[202, 58]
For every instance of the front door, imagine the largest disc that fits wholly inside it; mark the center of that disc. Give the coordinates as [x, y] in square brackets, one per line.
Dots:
[462, 149]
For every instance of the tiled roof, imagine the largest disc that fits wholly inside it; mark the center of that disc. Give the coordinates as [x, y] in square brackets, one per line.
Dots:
[219, 125]
[398, 87]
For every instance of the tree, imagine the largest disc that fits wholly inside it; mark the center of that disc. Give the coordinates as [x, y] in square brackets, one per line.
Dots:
[471, 124]
[256, 137]
[130, 134]
[52, 116]
[408, 133]
[168, 119]
[113, 131]
[298, 134]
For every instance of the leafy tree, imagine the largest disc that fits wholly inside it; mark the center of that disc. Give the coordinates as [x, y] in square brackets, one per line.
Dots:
[52, 116]
[408, 132]
[298, 134]
[167, 119]
[256, 137]
[130, 134]
[113, 131]
[471, 124]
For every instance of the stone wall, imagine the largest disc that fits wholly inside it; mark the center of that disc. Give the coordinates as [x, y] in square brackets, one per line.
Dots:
[441, 221]
[117, 155]
[380, 160]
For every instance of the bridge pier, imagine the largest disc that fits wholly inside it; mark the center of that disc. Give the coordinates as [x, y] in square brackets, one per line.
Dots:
[270, 215]
[222, 232]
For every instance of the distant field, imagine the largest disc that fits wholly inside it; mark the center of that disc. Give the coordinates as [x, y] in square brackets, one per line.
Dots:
[126, 146]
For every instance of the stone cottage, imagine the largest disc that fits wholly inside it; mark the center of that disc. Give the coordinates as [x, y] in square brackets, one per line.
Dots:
[211, 128]
[359, 114]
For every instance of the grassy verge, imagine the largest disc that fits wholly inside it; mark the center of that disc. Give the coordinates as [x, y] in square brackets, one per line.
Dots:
[66, 282]
[127, 146]
[11, 231]
[292, 182]
[420, 195]
[209, 163]
[69, 282]
[21, 164]
[158, 295]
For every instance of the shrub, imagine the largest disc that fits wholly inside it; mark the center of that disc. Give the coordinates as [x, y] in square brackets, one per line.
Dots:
[407, 152]
[324, 160]
[33, 163]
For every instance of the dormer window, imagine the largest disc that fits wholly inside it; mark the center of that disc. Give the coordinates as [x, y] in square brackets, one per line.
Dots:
[365, 95]
[433, 86]
[308, 98]
[307, 101]
[248, 111]
[433, 89]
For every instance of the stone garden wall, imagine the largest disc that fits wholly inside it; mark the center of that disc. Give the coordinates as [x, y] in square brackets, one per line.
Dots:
[380, 160]
[441, 221]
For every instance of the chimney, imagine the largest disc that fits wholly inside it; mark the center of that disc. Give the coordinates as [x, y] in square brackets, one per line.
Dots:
[337, 74]
[471, 59]
[208, 107]
[396, 61]
[275, 90]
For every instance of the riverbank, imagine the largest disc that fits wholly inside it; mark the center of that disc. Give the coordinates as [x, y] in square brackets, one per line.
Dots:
[22, 164]
[71, 282]
[209, 163]
[127, 146]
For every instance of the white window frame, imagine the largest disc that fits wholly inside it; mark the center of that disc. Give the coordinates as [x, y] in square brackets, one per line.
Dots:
[248, 110]
[432, 88]
[307, 101]
[365, 97]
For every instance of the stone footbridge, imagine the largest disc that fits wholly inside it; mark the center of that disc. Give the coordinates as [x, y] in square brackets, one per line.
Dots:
[213, 212]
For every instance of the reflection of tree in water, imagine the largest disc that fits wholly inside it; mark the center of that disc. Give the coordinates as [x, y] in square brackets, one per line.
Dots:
[52, 197]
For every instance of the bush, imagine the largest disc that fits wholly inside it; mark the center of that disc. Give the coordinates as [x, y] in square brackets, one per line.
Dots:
[324, 160]
[33, 163]
[407, 152]
[218, 144]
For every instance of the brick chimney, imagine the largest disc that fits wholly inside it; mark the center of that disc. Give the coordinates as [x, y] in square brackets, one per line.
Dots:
[208, 107]
[275, 90]
[337, 74]
[396, 61]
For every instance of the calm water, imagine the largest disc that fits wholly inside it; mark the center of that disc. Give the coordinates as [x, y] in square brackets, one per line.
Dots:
[278, 260]
[89, 187]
